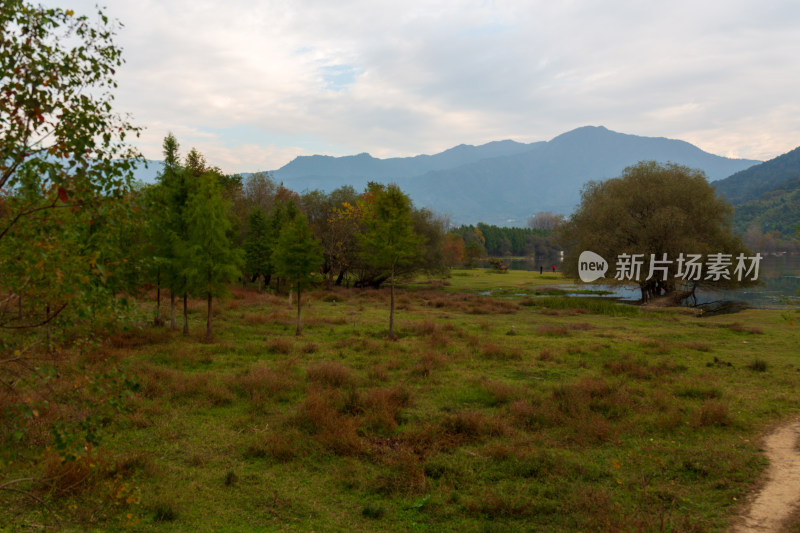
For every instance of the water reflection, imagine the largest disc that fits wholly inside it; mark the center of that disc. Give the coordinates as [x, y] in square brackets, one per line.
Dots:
[779, 276]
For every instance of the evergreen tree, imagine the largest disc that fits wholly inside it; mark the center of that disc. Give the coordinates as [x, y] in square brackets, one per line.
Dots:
[258, 247]
[167, 212]
[297, 256]
[390, 242]
[284, 212]
[211, 261]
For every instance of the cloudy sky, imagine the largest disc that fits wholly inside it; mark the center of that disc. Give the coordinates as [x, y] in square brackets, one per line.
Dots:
[253, 83]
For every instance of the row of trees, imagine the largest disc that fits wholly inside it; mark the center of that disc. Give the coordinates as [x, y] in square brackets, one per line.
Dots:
[205, 229]
[499, 241]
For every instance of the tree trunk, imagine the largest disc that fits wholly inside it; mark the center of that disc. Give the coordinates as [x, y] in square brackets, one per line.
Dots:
[47, 318]
[209, 335]
[185, 314]
[391, 307]
[340, 278]
[157, 320]
[298, 331]
[173, 323]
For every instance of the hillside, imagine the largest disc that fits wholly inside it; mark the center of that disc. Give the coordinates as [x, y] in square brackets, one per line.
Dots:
[749, 184]
[776, 211]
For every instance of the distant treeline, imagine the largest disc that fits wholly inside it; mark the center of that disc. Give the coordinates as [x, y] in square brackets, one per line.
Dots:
[504, 242]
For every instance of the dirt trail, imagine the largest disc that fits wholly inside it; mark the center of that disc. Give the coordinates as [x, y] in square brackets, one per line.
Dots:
[780, 496]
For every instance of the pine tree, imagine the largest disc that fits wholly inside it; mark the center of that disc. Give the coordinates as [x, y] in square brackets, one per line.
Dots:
[258, 247]
[169, 225]
[297, 257]
[389, 241]
[210, 259]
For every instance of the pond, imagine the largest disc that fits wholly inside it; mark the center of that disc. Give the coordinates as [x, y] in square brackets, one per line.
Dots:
[779, 276]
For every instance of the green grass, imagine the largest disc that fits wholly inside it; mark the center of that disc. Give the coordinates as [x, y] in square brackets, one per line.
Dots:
[592, 416]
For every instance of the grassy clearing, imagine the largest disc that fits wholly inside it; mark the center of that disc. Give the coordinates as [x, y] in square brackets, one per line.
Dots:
[512, 413]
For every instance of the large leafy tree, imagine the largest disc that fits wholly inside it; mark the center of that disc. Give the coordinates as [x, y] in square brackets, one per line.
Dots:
[63, 159]
[56, 117]
[390, 242]
[297, 257]
[661, 211]
[65, 212]
[211, 261]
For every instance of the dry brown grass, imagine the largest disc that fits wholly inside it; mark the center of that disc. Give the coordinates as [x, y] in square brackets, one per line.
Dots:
[697, 346]
[64, 478]
[382, 409]
[317, 416]
[472, 425]
[494, 505]
[500, 391]
[309, 348]
[283, 446]
[428, 363]
[549, 330]
[279, 346]
[137, 338]
[713, 413]
[261, 383]
[545, 354]
[739, 328]
[204, 387]
[497, 352]
[405, 475]
[330, 373]
[490, 306]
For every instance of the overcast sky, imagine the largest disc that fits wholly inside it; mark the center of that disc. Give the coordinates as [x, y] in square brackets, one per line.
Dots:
[253, 84]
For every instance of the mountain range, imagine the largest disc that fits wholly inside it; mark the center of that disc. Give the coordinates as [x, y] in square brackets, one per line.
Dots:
[503, 182]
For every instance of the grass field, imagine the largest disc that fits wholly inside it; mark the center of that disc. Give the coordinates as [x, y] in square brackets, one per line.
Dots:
[524, 410]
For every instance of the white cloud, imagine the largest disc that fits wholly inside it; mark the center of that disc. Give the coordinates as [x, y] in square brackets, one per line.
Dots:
[418, 77]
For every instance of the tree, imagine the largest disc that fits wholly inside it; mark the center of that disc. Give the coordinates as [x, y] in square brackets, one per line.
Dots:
[297, 257]
[453, 249]
[258, 248]
[65, 171]
[59, 138]
[660, 212]
[390, 242]
[211, 260]
[545, 220]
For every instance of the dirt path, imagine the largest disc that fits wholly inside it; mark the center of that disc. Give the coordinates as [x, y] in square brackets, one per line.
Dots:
[780, 496]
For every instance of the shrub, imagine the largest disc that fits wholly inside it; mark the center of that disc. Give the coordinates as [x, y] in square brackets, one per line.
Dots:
[330, 373]
[261, 382]
[758, 365]
[713, 413]
[279, 346]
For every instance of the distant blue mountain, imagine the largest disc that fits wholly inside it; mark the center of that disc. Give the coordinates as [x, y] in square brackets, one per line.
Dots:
[502, 182]
[505, 182]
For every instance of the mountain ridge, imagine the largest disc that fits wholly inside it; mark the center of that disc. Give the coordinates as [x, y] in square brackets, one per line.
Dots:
[504, 182]
[506, 186]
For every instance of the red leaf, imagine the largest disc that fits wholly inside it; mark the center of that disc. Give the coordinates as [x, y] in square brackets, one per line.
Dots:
[62, 195]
